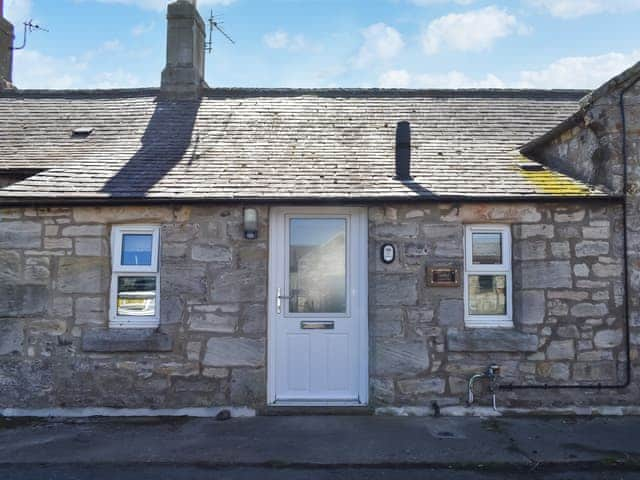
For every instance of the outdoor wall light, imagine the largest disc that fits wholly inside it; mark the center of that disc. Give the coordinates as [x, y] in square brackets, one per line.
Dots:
[250, 223]
[388, 253]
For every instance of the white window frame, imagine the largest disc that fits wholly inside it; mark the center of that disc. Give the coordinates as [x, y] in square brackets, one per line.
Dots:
[119, 270]
[504, 268]
[117, 235]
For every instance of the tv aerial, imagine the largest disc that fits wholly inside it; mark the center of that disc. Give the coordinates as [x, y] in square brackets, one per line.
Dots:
[214, 24]
[29, 27]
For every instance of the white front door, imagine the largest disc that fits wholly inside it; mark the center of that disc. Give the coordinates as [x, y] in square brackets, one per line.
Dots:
[318, 344]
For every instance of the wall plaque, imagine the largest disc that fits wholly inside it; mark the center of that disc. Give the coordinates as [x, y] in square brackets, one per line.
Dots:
[443, 277]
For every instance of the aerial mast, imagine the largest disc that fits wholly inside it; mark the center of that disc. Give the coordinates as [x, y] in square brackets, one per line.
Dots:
[217, 25]
[29, 27]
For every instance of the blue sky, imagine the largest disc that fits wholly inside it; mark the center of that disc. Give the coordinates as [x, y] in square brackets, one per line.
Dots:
[333, 43]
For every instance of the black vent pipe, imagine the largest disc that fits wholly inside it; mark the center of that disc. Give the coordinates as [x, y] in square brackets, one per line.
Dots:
[403, 151]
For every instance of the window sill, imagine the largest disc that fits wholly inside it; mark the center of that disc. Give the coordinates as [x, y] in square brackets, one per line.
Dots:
[126, 340]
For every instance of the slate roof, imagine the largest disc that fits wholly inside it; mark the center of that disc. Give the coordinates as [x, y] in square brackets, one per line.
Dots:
[279, 144]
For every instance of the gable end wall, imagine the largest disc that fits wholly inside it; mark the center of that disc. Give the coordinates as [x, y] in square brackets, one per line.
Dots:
[593, 152]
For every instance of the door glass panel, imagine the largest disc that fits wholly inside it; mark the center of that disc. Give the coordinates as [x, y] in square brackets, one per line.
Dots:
[317, 265]
[136, 249]
[487, 248]
[487, 295]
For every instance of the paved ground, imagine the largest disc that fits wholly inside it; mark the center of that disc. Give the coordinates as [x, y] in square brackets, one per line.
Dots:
[321, 447]
[204, 473]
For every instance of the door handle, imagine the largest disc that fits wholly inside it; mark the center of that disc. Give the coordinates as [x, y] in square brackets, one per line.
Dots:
[279, 301]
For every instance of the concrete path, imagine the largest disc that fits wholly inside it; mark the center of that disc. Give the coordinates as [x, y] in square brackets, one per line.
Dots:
[319, 443]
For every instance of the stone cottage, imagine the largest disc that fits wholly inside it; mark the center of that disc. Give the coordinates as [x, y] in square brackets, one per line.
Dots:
[200, 248]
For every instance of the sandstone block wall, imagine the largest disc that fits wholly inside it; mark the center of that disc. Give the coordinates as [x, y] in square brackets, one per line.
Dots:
[568, 305]
[56, 349]
[593, 151]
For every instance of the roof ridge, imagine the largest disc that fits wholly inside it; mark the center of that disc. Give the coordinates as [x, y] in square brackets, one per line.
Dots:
[35, 93]
[629, 75]
[402, 92]
[552, 94]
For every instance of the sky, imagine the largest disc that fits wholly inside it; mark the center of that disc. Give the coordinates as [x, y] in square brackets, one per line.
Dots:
[336, 43]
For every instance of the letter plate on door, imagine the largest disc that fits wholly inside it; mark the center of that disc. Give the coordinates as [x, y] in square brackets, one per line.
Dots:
[317, 325]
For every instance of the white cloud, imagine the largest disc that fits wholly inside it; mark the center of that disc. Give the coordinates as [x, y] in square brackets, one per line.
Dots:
[425, 3]
[17, 11]
[162, 4]
[110, 46]
[395, 79]
[579, 8]
[579, 72]
[278, 39]
[33, 69]
[106, 47]
[281, 40]
[297, 42]
[142, 28]
[476, 30]
[453, 79]
[381, 42]
[117, 79]
[569, 72]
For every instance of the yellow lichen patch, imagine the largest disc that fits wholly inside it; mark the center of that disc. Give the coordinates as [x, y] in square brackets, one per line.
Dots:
[549, 182]
[554, 183]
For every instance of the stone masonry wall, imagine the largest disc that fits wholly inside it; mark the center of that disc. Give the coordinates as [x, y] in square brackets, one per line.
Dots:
[592, 151]
[568, 305]
[54, 282]
[56, 349]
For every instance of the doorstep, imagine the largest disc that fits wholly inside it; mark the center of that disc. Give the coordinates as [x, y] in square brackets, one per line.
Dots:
[275, 410]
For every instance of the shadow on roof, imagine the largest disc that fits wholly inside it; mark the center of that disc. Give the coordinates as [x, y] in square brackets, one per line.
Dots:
[418, 189]
[167, 140]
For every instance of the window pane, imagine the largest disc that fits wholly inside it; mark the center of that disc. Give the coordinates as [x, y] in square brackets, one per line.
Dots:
[487, 295]
[136, 249]
[137, 296]
[317, 266]
[487, 248]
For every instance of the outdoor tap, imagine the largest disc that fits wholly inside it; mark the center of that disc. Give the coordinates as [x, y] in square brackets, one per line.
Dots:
[492, 373]
[471, 382]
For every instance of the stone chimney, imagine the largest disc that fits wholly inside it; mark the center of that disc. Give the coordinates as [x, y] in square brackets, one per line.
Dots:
[6, 53]
[183, 75]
